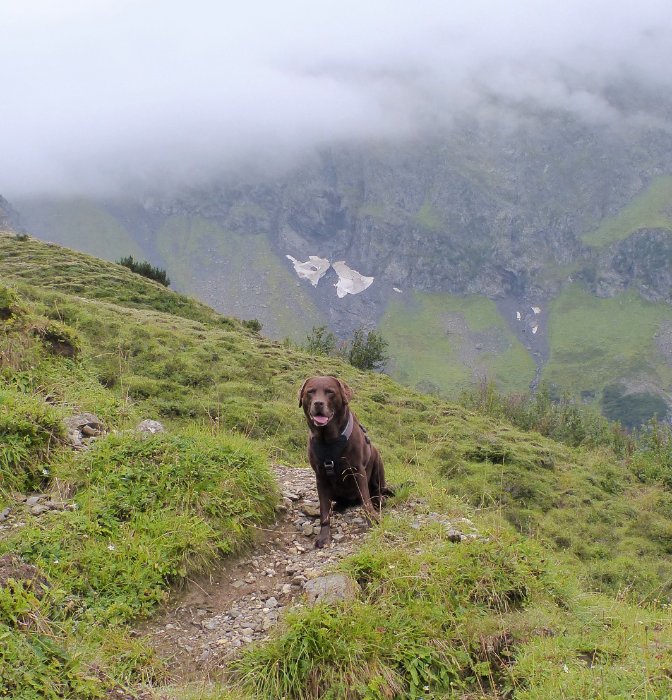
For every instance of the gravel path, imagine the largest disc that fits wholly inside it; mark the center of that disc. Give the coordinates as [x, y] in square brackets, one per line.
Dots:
[212, 618]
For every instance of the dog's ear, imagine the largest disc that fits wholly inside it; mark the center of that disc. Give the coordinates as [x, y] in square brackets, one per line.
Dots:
[303, 386]
[346, 392]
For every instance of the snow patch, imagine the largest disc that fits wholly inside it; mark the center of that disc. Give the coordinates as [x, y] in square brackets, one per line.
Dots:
[349, 281]
[312, 270]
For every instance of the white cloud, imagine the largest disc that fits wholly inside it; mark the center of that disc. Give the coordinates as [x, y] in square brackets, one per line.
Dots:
[97, 92]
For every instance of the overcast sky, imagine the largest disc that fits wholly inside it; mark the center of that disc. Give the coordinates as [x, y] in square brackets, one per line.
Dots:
[96, 92]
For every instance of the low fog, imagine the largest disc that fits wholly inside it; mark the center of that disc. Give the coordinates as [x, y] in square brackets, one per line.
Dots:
[102, 94]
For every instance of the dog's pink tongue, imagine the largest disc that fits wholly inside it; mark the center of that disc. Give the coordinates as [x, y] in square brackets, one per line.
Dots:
[320, 420]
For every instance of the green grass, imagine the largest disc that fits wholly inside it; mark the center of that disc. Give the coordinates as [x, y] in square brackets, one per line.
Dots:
[433, 339]
[149, 512]
[650, 209]
[597, 342]
[490, 618]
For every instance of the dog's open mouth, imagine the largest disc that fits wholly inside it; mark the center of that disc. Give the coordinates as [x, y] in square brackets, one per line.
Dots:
[321, 420]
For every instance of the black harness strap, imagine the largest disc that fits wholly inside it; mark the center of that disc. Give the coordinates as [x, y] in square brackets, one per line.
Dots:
[329, 454]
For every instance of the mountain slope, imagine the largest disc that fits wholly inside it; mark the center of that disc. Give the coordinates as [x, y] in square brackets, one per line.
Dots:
[514, 210]
[554, 519]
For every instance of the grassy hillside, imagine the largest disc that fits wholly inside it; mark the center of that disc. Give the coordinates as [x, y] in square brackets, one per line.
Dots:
[589, 351]
[81, 224]
[651, 209]
[566, 593]
[65, 270]
[444, 342]
[236, 272]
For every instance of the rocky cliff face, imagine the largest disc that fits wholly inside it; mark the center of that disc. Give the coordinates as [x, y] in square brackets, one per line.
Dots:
[473, 211]
[9, 218]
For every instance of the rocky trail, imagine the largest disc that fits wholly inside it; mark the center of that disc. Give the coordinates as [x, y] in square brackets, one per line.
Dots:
[208, 622]
[213, 617]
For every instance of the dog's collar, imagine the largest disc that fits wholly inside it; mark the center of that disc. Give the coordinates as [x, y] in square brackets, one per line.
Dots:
[347, 431]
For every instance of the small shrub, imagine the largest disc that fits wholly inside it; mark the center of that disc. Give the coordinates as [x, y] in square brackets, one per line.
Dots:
[320, 341]
[559, 418]
[253, 324]
[8, 303]
[146, 270]
[367, 351]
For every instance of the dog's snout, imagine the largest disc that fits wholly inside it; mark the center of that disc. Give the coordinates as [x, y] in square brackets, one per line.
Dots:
[318, 404]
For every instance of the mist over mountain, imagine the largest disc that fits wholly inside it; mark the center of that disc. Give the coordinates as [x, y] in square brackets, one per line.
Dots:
[108, 97]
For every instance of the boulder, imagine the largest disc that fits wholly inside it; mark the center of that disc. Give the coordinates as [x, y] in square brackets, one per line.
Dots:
[150, 426]
[331, 588]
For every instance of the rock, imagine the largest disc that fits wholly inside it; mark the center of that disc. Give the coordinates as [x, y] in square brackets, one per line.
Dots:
[150, 426]
[34, 500]
[5, 513]
[211, 624]
[331, 588]
[307, 529]
[454, 535]
[39, 509]
[83, 426]
[311, 510]
[78, 421]
[56, 505]
[272, 602]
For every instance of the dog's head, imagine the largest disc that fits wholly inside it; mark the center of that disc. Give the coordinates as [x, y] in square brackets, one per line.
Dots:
[323, 399]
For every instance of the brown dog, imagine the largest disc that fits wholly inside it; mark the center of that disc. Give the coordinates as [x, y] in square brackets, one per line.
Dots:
[347, 466]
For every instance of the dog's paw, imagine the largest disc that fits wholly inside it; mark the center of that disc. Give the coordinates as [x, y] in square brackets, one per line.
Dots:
[323, 540]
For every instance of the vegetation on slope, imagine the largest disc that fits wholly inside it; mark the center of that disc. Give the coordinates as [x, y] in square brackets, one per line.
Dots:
[236, 271]
[589, 351]
[515, 612]
[650, 209]
[442, 343]
[79, 223]
[61, 269]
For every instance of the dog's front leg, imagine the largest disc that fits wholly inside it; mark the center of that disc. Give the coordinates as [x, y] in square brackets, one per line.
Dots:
[324, 538]
[363, 488]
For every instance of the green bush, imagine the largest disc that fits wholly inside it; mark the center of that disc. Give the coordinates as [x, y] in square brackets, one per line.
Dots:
[8, 303]
[146, 270]
[320, 341]
[367, 350]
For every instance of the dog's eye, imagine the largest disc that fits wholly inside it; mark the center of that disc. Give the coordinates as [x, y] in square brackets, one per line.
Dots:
[310, 392]
[329, 392]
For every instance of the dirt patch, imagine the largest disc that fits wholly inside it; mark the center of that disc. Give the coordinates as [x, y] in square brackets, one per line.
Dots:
[11, 567]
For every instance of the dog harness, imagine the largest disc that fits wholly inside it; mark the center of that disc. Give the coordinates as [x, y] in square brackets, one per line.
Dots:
[329, 454]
